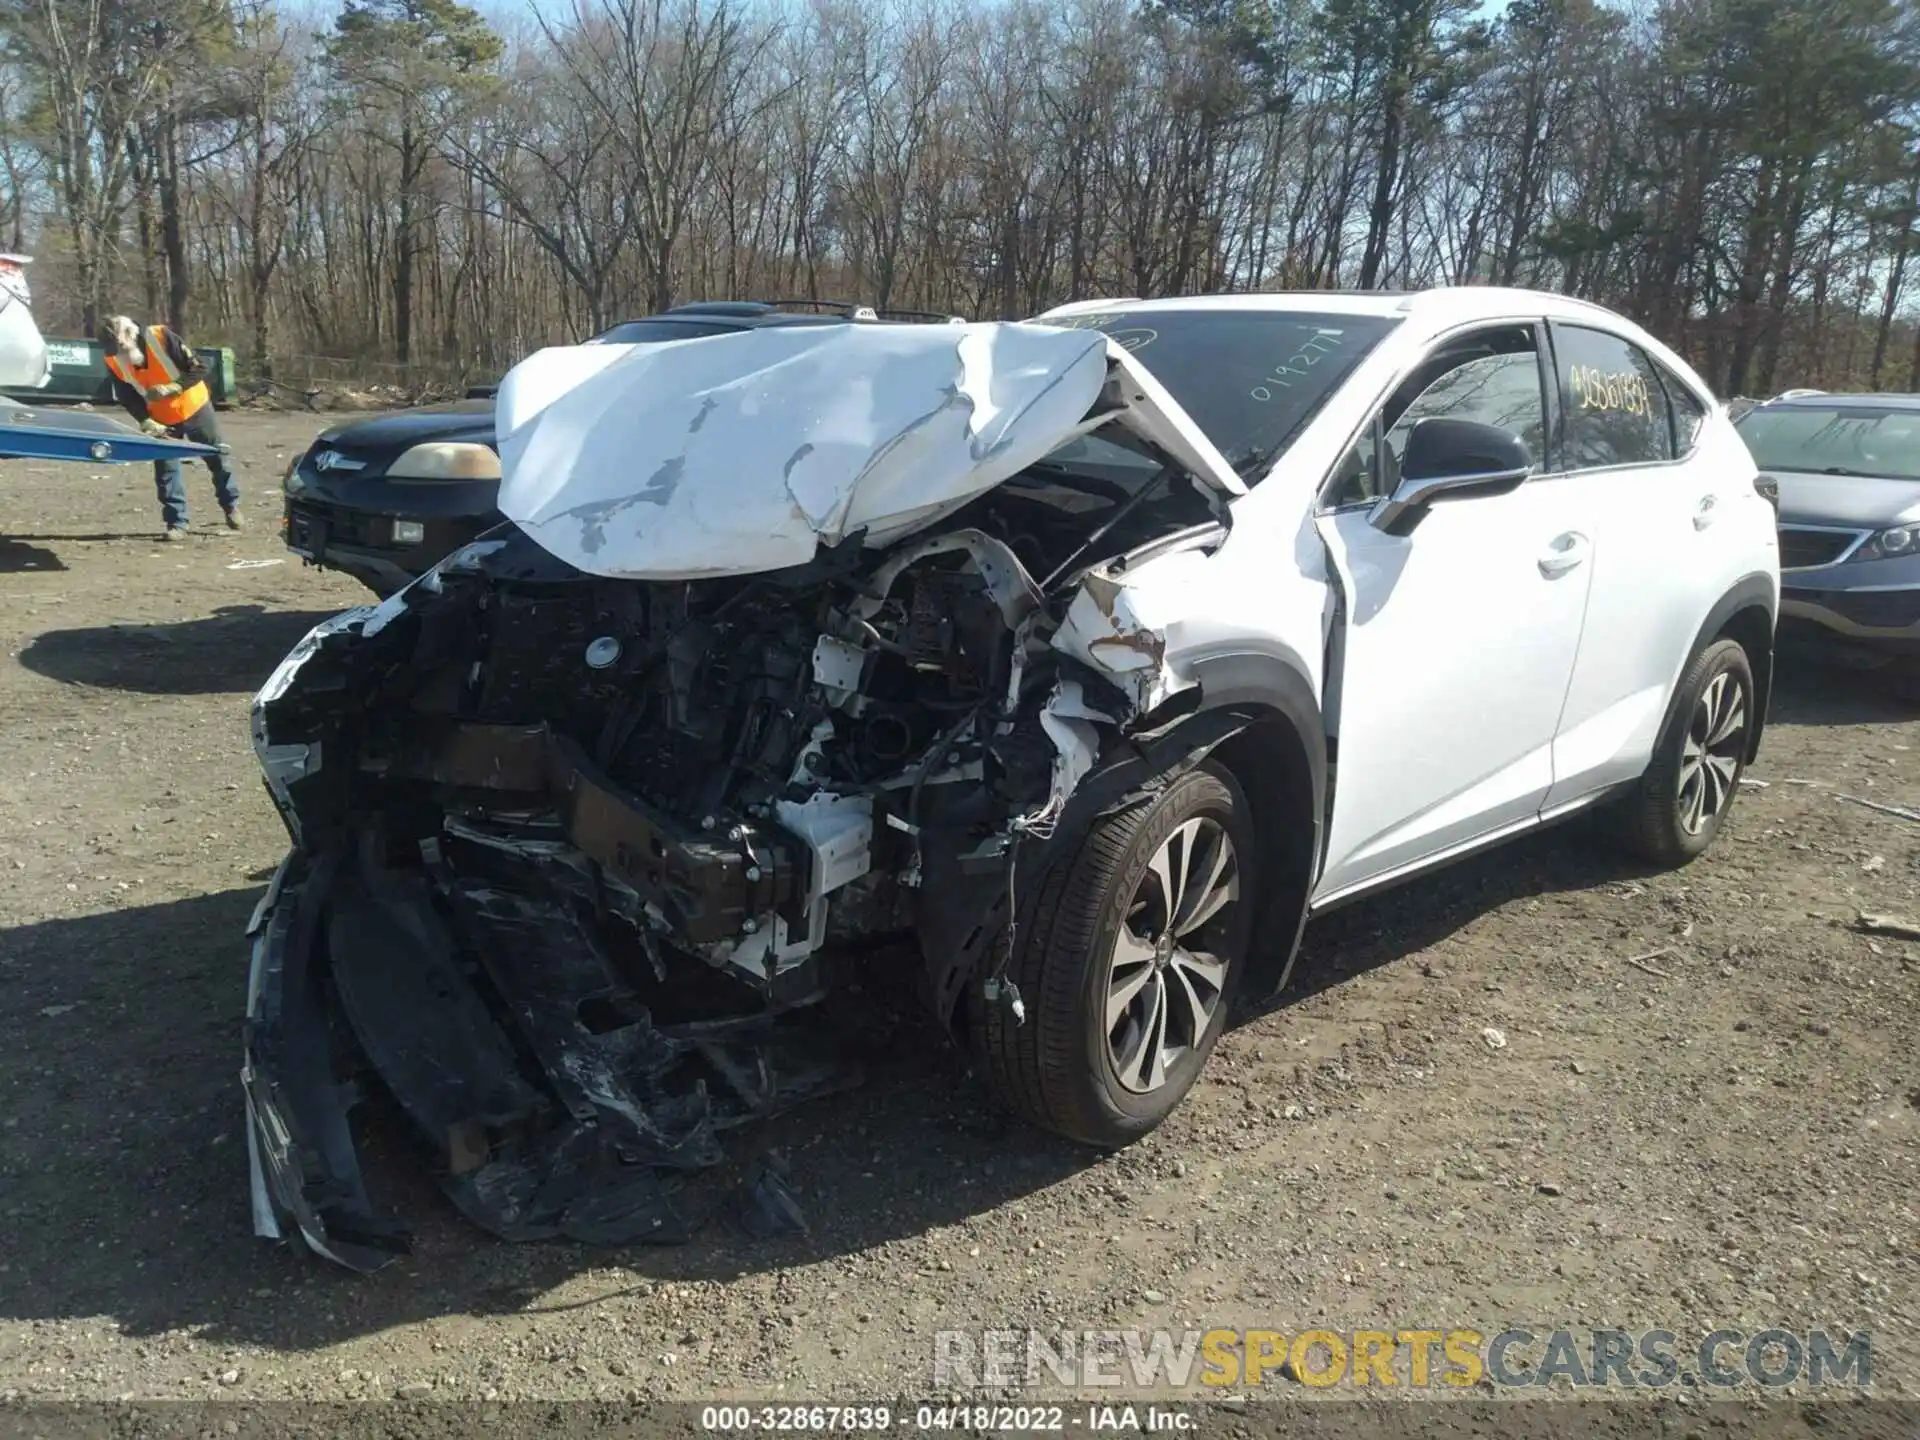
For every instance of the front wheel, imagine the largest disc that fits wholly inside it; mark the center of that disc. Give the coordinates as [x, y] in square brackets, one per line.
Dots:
[1127, 964]
[1687, 790]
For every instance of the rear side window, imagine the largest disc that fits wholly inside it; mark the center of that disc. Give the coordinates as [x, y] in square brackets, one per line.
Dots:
[1614, 404]
[1688, 413]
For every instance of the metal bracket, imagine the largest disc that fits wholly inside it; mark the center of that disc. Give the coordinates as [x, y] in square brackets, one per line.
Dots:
[28, 434]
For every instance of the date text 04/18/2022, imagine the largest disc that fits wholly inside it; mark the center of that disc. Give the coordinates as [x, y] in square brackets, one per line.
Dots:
[1147, 1419]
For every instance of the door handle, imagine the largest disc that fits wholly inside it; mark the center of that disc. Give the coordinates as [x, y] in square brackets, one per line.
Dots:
[1703, 515]
[1564, 554]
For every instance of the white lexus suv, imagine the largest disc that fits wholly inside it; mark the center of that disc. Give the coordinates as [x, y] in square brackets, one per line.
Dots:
[1070, 663]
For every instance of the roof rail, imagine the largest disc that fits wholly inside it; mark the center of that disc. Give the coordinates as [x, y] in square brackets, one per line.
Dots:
[1337, 290]
[1081, 307]
[1410, 297]
[850, 309]
[764, 307]
[844, 307]
[720, 307]
[932, 316]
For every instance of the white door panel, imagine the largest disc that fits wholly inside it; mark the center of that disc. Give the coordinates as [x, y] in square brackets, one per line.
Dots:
[1651, 573]
[1670, 540]
[1656, 579]
[1616, 741]
[1454, 662]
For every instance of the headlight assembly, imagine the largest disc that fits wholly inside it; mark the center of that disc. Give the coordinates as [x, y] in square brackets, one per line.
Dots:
[1889, 544]
[446, 460]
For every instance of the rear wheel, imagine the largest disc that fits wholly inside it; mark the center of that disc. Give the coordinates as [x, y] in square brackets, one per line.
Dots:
[1127, 965]
[1687, 790]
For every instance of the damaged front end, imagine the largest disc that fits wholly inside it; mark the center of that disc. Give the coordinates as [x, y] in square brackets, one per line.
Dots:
[577, 856]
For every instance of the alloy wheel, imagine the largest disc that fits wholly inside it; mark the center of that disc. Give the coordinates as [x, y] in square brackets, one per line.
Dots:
[1163, 985]
[1715, 744]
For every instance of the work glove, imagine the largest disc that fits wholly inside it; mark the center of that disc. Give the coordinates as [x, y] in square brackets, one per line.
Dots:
[153, 427]
[163, 392]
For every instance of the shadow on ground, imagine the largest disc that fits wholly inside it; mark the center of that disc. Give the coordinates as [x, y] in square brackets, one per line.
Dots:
[124, 1176]
[18, 557]
[233, 649]
[1409, 918]
[1811, 689]
[96, 538]
[124, 1169]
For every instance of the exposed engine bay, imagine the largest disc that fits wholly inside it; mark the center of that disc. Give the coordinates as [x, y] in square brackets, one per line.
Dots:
[575, 854]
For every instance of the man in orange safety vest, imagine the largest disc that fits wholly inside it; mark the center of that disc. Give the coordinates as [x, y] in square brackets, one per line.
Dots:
[162, 384]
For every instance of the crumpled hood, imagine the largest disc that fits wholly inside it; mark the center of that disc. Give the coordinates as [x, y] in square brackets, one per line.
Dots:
[739, 454]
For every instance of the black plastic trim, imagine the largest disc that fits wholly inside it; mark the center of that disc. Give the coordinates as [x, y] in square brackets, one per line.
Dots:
[1275, 681]
[1755, 591]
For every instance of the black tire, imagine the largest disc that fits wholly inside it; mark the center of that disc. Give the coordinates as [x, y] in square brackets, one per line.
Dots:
[1058, 1069]
[1657, 821]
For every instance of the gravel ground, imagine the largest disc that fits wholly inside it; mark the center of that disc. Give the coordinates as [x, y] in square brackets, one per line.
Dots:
[1721, 1135]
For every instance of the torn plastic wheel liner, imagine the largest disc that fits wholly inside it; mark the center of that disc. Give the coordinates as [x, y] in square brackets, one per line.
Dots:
[549, 1107]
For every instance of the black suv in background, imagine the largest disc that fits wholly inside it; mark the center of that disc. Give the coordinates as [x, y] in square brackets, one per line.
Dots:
[385, 498]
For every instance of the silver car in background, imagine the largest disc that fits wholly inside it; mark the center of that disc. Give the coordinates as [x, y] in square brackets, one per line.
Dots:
[1848, 472]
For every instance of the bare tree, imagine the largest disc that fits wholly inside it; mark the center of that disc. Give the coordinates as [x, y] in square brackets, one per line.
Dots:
[95, 71]
[1739, 174]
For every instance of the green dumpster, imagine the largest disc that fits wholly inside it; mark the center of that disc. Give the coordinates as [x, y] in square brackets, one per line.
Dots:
[222, 385]
[80, 374]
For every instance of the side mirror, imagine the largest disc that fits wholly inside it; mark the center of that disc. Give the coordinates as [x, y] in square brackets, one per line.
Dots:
[1450, 460]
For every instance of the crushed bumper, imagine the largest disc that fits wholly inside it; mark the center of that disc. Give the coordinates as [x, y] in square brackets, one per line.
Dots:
[548, 1103]
[305, 1172]
[708, 884]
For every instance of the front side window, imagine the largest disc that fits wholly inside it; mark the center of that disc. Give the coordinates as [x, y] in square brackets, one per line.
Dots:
[1613, 401]
[1498, 390]
[1492, 377]
[1835, 439]
[1250, 379]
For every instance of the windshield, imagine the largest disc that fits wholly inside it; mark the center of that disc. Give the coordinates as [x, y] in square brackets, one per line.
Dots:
[1251, 379]
[643, 332]
[1835, 440]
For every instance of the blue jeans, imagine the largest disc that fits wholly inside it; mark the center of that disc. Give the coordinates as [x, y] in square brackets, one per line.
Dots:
[172, 488]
